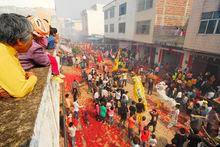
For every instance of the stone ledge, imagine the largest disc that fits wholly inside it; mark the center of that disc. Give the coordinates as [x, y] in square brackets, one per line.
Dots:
[18, 116]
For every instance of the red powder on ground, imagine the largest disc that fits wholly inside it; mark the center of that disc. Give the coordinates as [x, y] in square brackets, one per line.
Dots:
[69, 80]
[96, 133]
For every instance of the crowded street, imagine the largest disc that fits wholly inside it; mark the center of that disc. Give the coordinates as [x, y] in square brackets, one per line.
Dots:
[110, 73]
[93, 130]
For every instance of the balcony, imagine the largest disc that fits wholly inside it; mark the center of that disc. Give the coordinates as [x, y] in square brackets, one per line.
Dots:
[168, 36]
[34, 119]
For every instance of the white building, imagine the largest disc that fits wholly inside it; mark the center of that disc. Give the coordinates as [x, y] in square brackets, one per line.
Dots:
[147, 28]
[93, 20]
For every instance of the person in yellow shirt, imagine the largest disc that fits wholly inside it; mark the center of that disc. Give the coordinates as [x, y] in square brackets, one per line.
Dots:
[15, 37]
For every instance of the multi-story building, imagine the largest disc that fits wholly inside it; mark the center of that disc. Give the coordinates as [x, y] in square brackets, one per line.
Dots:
[154, 29]
[93, 20]
[203, 37]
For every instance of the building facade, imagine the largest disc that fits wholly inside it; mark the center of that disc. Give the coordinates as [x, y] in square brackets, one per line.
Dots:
[91, 17]
[203, 37]
[154, 29]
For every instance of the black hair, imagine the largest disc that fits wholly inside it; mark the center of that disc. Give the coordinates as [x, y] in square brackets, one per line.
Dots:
[196, 131]
[70, 124]
[133, 102]
[136, 140]
[53, 31]
[153, 136]
[182, 131]
[139, 100]
[66, 95]
[13, 27]
[145, 128]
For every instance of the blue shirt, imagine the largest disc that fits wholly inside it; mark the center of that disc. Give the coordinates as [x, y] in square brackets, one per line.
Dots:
[51, 42]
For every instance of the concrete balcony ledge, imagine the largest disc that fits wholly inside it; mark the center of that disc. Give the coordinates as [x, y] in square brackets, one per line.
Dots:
[34, 119]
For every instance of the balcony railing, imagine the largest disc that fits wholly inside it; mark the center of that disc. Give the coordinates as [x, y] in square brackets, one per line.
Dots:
[169, 36]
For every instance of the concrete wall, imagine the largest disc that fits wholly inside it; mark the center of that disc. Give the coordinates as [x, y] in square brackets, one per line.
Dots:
[163, 14]
[148, 14]
[128, 18]
[46, 130]
[202, 42]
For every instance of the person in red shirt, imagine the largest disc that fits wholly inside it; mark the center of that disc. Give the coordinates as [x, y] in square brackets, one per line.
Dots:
[131, 125]
[145, 135]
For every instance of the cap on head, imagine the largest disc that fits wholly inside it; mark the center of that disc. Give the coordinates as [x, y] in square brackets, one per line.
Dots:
[41, 27]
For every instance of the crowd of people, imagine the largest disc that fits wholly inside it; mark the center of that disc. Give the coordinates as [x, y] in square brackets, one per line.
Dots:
[112, 100]
[23, 41]
[195, 94]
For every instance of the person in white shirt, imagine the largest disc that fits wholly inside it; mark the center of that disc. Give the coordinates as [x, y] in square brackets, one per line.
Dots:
[76, 109]
[179, 95]
[118, 95]
[72, 133]
[174, 116]
[84, 57]
[153, 141]
[104, 93]
[105, 81]
[89, 77]
[126, 96]
[96, 95]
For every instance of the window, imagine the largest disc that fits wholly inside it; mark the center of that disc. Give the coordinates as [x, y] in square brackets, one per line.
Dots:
[211, 27]
[210, 23]
[202, 26]
[207, 15]
[216, 14]
[111, 27]
[106, 14]
[144, 5]
[122, 9]
[121, 28]
[143, 27]
[218, 28]
[112, 12]
[106, 28]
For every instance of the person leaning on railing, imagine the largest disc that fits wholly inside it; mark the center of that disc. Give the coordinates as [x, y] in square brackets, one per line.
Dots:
[15, 37]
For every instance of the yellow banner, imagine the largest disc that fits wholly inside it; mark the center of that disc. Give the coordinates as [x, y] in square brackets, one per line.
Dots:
[116, 62]
[139, 91]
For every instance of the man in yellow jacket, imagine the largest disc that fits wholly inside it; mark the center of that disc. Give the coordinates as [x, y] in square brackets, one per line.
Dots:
[15, 37]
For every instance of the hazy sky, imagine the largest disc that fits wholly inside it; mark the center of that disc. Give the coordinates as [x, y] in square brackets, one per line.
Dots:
[73, 8]
[64, 8]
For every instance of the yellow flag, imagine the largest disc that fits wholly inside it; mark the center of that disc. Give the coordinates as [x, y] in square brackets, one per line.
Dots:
[116, 62]
[139, 91]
